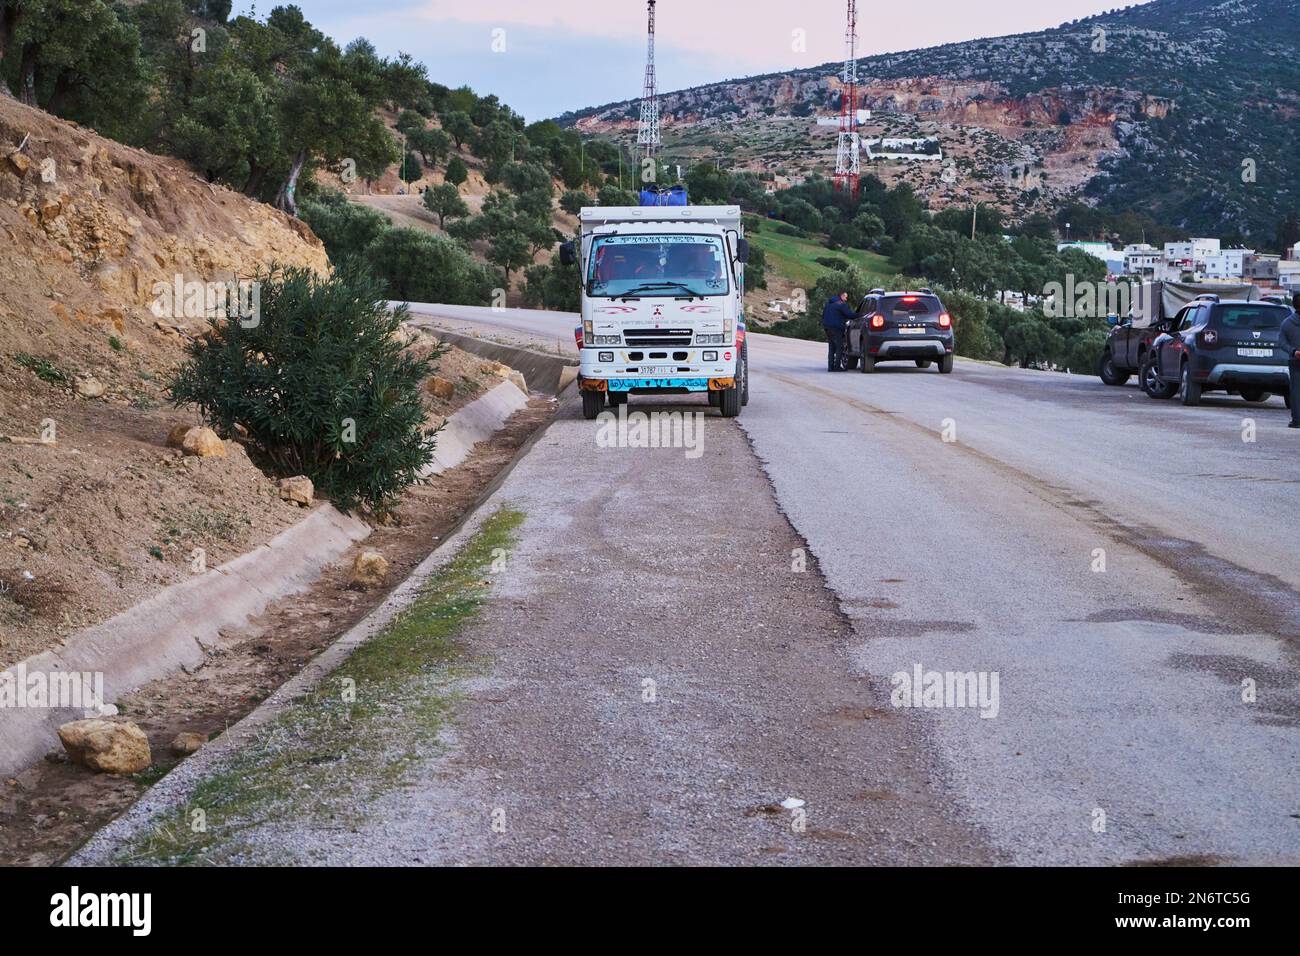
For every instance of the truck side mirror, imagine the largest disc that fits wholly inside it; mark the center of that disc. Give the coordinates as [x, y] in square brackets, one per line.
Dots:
[568, 254]
[742, 251]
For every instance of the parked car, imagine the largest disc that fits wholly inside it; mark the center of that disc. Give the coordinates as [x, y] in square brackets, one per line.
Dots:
[1218, 345]
[900, 327]
[1126, 349]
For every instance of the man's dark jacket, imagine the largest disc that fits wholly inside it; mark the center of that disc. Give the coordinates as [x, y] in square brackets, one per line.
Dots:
[1289, 340]
[836, 314]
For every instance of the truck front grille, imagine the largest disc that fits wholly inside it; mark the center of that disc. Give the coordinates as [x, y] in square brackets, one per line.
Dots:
[652, 338]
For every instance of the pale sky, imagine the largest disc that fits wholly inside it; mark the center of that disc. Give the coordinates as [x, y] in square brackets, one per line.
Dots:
[566, 54]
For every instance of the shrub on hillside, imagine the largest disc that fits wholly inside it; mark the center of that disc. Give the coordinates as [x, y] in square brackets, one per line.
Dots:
[346, 228]
[417, 266]
[321, 382]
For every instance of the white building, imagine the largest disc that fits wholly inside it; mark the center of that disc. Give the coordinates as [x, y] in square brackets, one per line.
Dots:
[1294, 255]
[1230, 264]
[1288, 274]
[1141, 259]
[1191, 255]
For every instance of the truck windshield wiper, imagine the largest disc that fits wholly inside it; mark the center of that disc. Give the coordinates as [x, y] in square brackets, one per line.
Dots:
[650, 287]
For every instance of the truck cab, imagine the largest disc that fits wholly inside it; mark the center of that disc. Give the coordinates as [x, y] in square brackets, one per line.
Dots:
[662, 304]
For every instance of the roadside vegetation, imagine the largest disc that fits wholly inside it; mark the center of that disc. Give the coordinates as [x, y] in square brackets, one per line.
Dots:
[321, 383]
[382, 710]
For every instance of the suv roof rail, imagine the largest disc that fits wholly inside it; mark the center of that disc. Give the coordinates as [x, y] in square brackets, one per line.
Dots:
[927, 291]
[876, 291]
[1207, 297]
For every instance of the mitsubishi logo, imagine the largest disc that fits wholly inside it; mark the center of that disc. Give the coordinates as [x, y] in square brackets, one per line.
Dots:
[658, 311]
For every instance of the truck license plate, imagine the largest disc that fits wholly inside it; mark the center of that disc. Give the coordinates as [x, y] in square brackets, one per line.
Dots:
[658, 369]
[1255, 353]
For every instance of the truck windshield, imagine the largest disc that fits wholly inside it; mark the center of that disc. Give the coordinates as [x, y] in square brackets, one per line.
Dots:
[681, 265]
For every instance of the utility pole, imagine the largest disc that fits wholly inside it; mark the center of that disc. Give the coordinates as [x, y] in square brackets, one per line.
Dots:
[848, 162]
[647, 137]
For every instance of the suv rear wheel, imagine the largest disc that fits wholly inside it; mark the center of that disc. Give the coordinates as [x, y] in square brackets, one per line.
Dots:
[1255, 395]
[868, 364]
[945, 365]
[923, 363]
[1189, 392]
[1152, 383]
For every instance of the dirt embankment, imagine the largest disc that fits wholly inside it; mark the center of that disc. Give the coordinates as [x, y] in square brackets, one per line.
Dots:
[108, 515]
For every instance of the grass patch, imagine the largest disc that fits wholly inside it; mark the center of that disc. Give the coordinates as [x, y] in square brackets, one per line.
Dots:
[796, 258]
[43, 369]
[356, 736]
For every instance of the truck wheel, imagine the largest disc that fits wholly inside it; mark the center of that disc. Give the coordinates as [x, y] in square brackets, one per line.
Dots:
[729, 402]
[1189, 392]
[923, 363]
[945, 365]
[1255, 395]
[592, 404]
[618, 398]
[849, 362]
[714, 399]
[744, 378]
[1152, 383]
[1109, 373]
[868, 364]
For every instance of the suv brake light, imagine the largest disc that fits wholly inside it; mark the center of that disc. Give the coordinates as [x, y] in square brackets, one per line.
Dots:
[878, 321]
[945, 320]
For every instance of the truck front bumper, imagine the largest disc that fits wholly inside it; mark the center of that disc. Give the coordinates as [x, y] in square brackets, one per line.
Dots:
[662, 385]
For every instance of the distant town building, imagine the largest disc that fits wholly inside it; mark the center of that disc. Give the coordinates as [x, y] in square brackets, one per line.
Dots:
[1230, 264]
[1102, 250]
[1191, 254]
[1288, 273]
[1142, 259]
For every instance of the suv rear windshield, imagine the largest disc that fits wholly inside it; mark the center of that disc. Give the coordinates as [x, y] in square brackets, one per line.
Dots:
[903, 307]
[1250, 317]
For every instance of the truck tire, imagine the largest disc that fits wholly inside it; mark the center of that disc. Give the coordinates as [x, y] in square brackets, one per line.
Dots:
[744, 379]
[849, 362]
[713, 398]
[592, 404]
[945, 365]
[1189, 392]
[1151, 382]
[729, 402]
[1109, 373]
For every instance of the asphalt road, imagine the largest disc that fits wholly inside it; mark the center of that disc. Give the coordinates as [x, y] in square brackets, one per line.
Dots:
[1128, 568]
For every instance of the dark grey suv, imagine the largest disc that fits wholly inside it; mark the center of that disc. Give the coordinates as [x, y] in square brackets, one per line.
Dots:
[1224, 345]
[900, 327]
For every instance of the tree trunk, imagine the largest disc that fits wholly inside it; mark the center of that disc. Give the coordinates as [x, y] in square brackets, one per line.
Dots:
[256, 175]
[27, 76]
[285, 199]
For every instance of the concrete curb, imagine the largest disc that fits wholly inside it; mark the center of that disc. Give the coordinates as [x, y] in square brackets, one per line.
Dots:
[546, 373]
[172, 791]
[478, 421]
[173, 629]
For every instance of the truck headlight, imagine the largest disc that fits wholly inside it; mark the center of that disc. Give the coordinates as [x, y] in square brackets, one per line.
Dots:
[608, 339]
[728, 326]
[709, 339]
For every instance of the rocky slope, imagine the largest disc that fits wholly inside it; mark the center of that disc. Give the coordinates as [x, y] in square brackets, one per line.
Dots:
[1155, 108]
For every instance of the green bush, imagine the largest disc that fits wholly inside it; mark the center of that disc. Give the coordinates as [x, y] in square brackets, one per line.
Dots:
[320, 382]
[346, 228]
[417, 266]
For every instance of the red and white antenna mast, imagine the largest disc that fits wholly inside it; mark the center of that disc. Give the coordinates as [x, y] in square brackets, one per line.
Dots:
[848, 166]
[647, 137]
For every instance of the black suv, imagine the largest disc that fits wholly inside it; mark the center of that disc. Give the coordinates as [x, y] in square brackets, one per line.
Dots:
[899, 326]
[1219, 345]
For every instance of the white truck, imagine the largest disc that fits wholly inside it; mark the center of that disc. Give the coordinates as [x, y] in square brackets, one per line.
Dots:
[662, 304]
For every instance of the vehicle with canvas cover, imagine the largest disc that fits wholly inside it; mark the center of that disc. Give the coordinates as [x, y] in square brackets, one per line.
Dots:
[1217, 345]
[662, 304]
[900, 327]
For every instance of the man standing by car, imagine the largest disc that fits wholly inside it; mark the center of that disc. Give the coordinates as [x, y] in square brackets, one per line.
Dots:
[834, 316]
[1289, 341]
